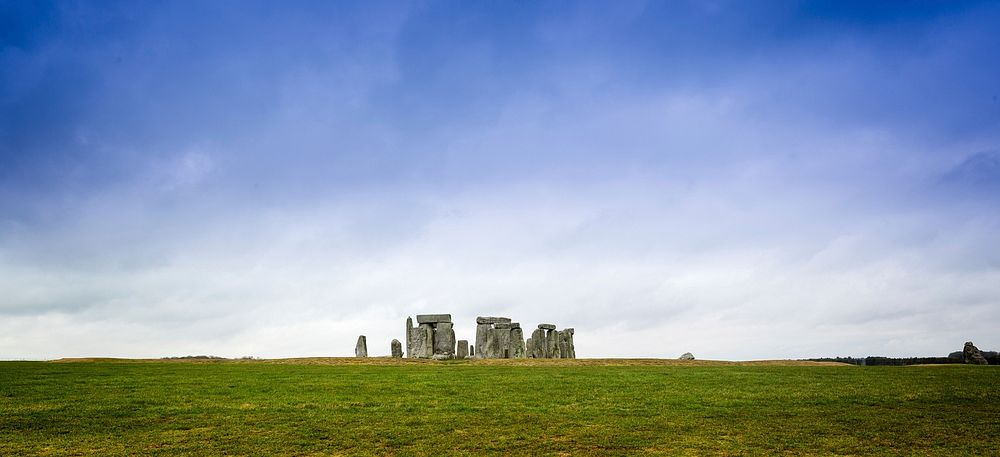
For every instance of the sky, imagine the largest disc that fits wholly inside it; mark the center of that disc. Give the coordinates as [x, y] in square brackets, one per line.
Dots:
[739, 180]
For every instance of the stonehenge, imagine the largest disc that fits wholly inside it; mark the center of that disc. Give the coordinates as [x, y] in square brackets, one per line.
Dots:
[397, 349]
[548, 343]
[361, 348]
[496, 338]
[432, 338]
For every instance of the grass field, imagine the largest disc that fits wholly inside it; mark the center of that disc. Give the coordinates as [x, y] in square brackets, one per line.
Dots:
[341, 406]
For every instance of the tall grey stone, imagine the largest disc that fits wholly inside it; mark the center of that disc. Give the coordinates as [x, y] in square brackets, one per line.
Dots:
[444, 339]
[361, 348]
[472, 350]
[538, 346]
[482, 334]
[503, 341]
[516, 343]
[567, 335]
[397, 349]
[409, 337]
[433, 318]
[492, 320]
[463, 349]
[492, 347]
[552, 343]
[528, 352]
[423, 342]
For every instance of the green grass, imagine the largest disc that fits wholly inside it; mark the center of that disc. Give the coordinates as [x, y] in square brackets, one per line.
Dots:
[438, 408]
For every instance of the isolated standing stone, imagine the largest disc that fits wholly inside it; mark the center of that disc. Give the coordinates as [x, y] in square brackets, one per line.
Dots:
[972, 355]
[463, 349]
[444, 339]
[361, 349]
[687, 356]
[397, 349]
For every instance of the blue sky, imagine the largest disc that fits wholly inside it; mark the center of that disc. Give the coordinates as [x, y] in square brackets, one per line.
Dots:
[739, 180]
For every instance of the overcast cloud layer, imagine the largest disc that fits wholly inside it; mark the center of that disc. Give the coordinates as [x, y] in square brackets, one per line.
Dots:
[739, 180]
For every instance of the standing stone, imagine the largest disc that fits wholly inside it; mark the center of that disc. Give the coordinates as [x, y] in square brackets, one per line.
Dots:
[568, 338]
[528, 351]
[972, 355]
[472, 350]
[409, 337]
[482, 334]
[538, 344]
[463, 349]
[397, 349]
[552, 343]
[444, 340]
[423, 342]
[516, 342]
[361, 349]
[492, 347]
[503, 341]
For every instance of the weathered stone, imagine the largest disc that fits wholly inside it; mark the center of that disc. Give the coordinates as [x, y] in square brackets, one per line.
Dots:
[567, 336]
[505, 325]
[972, 355]
[547, 326]
[686, 356]
[433, 318]
[397, 348]
[444, 339]
[463, 349]
[515, 325]
[492, 348]
[423, 342]
[361, 348]
[472, 350]
[482, 334]
[538, 346]
[409, 337]
[516, 343]
[492, 320]
[503, 341]
[552, 344]
[528, 352]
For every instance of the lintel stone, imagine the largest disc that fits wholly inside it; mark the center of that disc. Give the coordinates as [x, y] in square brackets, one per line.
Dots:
[433, 318]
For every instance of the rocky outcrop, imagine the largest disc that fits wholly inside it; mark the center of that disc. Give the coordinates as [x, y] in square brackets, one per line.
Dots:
[972, 355]
[686, 356]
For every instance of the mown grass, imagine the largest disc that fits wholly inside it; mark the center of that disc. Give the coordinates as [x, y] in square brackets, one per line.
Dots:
[120, 407]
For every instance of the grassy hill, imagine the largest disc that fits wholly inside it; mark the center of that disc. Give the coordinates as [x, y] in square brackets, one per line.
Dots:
[579, 407]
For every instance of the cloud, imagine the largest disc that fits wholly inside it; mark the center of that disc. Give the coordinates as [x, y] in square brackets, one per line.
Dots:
[279, 191]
